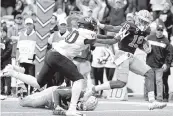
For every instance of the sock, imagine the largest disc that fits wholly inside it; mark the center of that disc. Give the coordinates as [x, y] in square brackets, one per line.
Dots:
[151, 96]
[76, 91]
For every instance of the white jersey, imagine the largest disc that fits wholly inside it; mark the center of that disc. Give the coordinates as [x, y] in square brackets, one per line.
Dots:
[74, 43]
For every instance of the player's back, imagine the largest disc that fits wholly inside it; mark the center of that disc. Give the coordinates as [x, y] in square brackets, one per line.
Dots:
[133, 40]
[74, 43]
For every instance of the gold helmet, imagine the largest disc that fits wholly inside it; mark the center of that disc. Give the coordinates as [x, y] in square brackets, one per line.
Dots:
[142, 19]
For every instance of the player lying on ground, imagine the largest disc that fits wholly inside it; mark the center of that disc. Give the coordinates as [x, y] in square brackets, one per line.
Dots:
[58, 99]
[60, 59]
[125, 60]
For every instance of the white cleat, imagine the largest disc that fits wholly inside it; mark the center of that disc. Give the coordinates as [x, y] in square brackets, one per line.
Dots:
[156, 105]
[73, 113]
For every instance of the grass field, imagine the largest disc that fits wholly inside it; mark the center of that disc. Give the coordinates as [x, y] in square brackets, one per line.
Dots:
[135, 106]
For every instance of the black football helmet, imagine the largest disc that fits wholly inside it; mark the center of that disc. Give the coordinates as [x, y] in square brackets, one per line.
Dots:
[87, 23]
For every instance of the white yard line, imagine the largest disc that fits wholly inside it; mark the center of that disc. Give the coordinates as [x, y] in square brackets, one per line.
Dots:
[128, 103]
[102, 111]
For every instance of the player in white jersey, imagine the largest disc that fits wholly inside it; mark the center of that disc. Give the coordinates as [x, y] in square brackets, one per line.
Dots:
[59, 59]
[75, 43]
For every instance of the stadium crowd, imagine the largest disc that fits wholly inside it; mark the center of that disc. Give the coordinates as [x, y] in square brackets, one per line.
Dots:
[18, 19]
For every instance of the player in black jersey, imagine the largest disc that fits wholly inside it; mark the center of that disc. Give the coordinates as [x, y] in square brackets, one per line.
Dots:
[135, 37]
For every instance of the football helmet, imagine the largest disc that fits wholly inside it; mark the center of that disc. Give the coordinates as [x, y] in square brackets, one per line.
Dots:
[142, 19]
[87, 23]
[89, 105]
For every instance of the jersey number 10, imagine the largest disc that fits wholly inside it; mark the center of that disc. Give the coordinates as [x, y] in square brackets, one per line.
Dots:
[72, 37]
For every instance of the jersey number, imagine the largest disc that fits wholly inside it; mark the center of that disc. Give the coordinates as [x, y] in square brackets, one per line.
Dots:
[136, 41]
[72, 37]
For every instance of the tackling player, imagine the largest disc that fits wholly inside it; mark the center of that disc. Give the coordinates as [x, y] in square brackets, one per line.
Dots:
[125, 60]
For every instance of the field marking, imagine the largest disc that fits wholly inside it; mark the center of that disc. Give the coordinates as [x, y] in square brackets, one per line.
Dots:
[102, 111]
[129, 103]
[143, 103]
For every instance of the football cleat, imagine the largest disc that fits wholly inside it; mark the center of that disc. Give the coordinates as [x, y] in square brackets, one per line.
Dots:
[156, 105]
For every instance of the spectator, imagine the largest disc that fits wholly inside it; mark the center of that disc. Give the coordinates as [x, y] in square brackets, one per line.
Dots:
[60, 14]
[157, 6]
[13, 34]
[3, 23]
[142, 4]
[61, 34]
[27, 53]
[34, 17]
[53, 29]
[116, 14]
[6, 49]
[70, 5]
[89, 7]
[19, 7]
[165, 85]
[167, 17]
[7, 7]
[160, 58]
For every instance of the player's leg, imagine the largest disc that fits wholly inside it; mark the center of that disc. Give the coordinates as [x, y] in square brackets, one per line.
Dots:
[122, 72]
[148, 73]
[45, 74]
[70, 71]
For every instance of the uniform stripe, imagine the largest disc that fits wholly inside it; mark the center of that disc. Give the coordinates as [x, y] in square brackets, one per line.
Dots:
[155, 43]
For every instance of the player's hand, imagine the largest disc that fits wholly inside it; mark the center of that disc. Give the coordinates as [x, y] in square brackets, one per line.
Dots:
[147, 48]
[122, 33]
[164, 67]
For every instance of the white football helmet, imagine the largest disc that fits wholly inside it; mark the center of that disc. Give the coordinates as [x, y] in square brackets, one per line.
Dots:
[89, 105]
[142, 19]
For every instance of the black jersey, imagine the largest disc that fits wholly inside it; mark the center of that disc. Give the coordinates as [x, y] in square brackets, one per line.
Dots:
[133, 40]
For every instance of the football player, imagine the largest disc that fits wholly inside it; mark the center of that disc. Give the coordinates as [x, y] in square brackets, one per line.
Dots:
[126, 61]
[57, 98]
[59, 59]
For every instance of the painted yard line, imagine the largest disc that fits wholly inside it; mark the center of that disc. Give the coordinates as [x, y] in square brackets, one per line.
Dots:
[103, 111]
[128, 103]
[106, 102]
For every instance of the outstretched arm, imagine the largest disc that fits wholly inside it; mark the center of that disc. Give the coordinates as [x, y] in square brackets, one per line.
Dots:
[103, 40]
[109, 27]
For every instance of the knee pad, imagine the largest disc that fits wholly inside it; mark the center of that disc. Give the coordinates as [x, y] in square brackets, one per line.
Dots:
[117, 84]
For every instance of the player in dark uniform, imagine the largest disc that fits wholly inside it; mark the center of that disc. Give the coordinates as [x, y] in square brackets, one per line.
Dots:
[135, 37]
